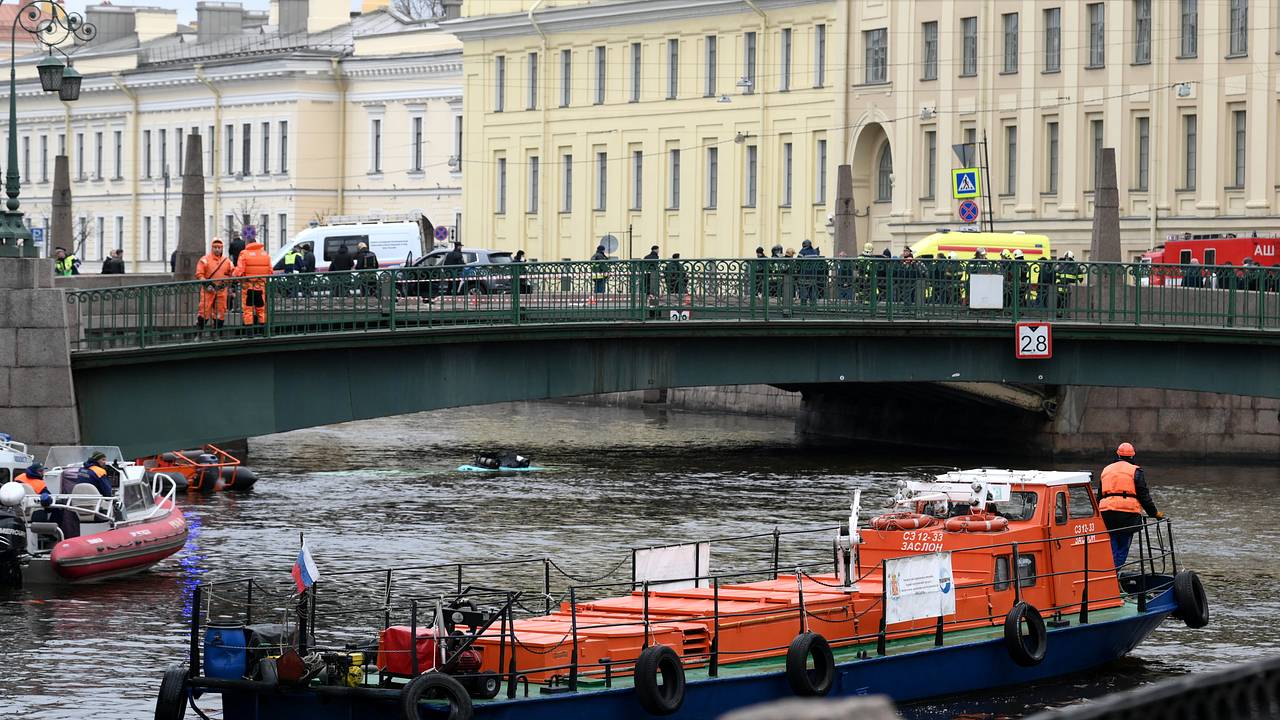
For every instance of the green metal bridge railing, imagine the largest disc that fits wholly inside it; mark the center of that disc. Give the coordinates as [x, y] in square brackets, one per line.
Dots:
[638, 291]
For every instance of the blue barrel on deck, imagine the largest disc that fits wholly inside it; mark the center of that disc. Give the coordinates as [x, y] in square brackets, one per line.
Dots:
[225, 654]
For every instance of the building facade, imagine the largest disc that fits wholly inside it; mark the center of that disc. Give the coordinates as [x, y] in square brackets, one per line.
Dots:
[711, 128]
[304, 114]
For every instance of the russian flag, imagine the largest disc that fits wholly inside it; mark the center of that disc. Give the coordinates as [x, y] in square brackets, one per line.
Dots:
[305, 572]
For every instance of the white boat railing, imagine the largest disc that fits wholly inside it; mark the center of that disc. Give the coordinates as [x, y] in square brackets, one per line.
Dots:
[102, 507]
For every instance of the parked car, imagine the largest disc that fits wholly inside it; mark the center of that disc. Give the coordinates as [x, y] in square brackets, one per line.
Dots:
[487, 272]
[392, 242]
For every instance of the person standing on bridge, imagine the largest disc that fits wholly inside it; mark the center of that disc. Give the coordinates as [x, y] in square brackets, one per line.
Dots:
[214, 268]
[599, 272]
[255, 267]
[65, 263]
[1123, 496]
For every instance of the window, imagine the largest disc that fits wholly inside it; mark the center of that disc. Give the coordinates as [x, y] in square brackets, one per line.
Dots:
[209, 167]
[787, 163]
[1189, 151]
[1141, 31]
[284, 151]
[1026, 572]
[457, 141]
[1060, 508]
[820, 191]
[1095, 131]
[533, 81]
[1143, 159]
[177, 142]
[749, 62]
[97, 156]
[246, 149]
[119, 225]
[674, 201]
[1097, 35]
[784, 82]
[44, 158]
[819, 55]
[673, 68]
[231, 143]
[264, 230]
[416, 164]
[1081, 502]
[1011, 160]
[636, 55]
[566, 203]
[282, 223]
[163, 154]
[930, 47]
[969, 46]
[1190, 28]
[502, 187]
[566, 78]
[1051, 164]
[164, 238]
[265, 169]
[1239, 28]
[146, 152]
[601, 57]
[884, 175]
[500, 83]
[1053, 39]
[637, 179]
[753, 167]
[876, 49]
[602, 181]
[1238, 121]
[931, 163]
[712, 66]
[534, 182]
[146, 237]
[1010, 22]
[375, 146]
[713, 177]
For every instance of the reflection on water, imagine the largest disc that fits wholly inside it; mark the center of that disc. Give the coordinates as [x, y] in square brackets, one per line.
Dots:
[386, 492]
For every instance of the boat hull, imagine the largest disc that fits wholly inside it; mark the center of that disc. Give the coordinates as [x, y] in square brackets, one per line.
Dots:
[125, 550]
[948, 670]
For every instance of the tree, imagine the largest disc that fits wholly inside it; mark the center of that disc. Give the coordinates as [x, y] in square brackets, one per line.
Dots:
[419, 9]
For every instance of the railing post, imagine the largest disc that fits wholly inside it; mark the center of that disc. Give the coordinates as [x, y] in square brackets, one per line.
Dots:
[392, 298]
[515, 293]
[248, 603]
[776, 536]
[386, 599]
[646, 615]
[1017, 580]
[714, 669]
[1142, 571]
[459, 579]
[800, 594]
[881, 639]
[502, 635]
[546, 583]
[937, 633]
[269, 302]
[193, 663]
[413, 637]
[1015, 292]
[512, 675]
[573, 629]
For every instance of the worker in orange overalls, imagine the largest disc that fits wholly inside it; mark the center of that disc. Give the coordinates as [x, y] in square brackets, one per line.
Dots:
[255, 264]
[214, 268]
[1123, 496]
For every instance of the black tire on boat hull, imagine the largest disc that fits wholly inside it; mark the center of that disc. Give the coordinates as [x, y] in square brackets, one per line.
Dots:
[803, 681]
[655, 661]
[171, 702]
[1193, 603]
[1026, 650]
[432, 685]
[486, 685]
[238, 478]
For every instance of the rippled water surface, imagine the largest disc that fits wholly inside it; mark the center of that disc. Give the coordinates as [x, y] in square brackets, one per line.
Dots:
[385, 493]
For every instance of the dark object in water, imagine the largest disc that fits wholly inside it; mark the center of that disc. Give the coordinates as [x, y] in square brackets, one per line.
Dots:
[500, 459]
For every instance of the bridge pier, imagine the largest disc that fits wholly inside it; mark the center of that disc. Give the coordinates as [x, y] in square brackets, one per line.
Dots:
[37, 394]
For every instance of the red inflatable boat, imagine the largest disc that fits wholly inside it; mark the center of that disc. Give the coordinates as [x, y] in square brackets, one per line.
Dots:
[126, 549]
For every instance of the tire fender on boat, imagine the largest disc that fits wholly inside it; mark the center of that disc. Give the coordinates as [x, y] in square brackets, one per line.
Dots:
[667, 697]
[976, 523]
[432, 684]
[1193, 603]
[803, 681]
[1025, 649]
[171, 702]
[901, 521]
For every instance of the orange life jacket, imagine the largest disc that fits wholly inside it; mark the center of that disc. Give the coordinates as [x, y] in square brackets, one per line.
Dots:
[254, 261]
[36, 483]
[214, 267]
[1119, 491]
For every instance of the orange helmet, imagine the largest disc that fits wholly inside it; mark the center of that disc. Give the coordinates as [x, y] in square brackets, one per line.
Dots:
[1126, 450]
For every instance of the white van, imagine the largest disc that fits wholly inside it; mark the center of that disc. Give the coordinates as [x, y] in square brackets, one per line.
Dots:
[392, 242]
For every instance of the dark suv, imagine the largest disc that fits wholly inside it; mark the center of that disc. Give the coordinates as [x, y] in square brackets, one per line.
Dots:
[486, 273]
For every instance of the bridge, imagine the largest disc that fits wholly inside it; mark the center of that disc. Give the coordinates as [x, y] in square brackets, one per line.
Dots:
[347, 346]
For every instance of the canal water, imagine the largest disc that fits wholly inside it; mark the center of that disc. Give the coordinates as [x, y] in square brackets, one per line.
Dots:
[385, 492]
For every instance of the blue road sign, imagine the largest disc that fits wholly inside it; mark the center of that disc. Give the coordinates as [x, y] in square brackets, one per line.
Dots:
[966, 183]
[969, 211]
[442, 232]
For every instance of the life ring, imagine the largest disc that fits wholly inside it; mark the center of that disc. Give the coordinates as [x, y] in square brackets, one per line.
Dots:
[976, 523]
[1026, 649]
[1193, 603]
[171, 702]
[666, 698]
[433, 685]
[805, 682]
[902, 521]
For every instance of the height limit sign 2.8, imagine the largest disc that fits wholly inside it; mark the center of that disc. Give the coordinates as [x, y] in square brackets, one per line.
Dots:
[1033, 341]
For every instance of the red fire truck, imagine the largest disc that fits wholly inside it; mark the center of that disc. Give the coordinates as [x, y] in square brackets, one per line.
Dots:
[1216, 249]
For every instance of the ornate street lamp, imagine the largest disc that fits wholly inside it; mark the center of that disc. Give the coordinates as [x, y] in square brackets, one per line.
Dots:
[51, 26]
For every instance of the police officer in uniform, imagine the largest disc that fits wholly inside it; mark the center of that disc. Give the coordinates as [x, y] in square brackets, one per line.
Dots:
[1123, 496]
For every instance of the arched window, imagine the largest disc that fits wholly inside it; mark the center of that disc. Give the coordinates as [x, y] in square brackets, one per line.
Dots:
[884, 176]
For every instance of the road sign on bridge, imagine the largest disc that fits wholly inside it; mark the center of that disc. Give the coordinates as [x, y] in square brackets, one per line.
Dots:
[968, 211]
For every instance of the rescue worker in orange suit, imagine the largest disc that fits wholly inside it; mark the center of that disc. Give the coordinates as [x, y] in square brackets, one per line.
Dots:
[214, 268]
[95, 473]
[255, 265]
[1123, 496]
[33, 477]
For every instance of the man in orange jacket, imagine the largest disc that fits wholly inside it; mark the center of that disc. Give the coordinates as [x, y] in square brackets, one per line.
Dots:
[1123, 496]
[255, 265]
[214, 268]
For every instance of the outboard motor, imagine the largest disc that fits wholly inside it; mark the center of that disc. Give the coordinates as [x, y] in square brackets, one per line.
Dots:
[13, 534]
[209, 476]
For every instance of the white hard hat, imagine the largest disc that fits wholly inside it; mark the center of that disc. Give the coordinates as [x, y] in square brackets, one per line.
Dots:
[11, 494]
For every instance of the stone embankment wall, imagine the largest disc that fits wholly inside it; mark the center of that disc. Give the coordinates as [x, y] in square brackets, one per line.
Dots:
[755, 400]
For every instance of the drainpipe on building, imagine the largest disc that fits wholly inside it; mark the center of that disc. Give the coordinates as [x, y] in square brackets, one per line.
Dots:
[213, 145]
[763, 49]
[135, 256]
[543, 102]
[340, 80]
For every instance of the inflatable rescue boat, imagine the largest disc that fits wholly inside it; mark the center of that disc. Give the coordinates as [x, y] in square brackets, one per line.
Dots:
[205, 470]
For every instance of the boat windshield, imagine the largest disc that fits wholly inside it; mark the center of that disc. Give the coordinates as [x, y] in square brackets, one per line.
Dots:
[1021, 505]
[71, 455]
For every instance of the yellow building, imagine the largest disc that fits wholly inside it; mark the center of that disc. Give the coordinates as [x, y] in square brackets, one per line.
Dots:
[305, 113]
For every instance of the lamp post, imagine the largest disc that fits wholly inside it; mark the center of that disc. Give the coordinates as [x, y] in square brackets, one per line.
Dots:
[50, 25]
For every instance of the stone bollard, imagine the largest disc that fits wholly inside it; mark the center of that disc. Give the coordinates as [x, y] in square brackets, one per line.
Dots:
[862, 707]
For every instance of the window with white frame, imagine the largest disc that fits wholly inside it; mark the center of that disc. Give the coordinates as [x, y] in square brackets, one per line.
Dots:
[229, 150]
[788, 163]
[375, 146]
[884, 175]
[457, 141]
[1241, 148]
[784, 79]
[752, 176]
[415, 158]
[500, 83]
[1097, 34]
[1009, 21]
[713, 177]
[246, 149]
[533, 81]
[284, 146]
[602, 181]
[535, 182]
[673, 201]
[500, 191]
[265, 155]
[712, 65]
[1239, 28]
[566, 187]
[1010, 159]
[1051, 157]
[1189, 157]
[601, 74]
[968, 46]
[177, 142]
[929, 50]
[820, 182]
[673, 68]
[819, 55]
[1141, 31]
[163, 152]
[44, 158]
[636, 56]
[1189, 26]
[566, 77]
[637, 179]
[749, 62]
[1142, 156]
[876, 44]
[1052, 39]
[146, 153]
[97, 155]
[930, 163]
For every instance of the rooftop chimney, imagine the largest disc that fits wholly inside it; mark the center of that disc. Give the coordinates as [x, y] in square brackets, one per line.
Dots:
[112, 22]
[452, 9]
[217, 20]
[313, 16]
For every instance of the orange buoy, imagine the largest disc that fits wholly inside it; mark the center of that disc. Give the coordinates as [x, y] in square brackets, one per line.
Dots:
[976, 523]
[901, 521]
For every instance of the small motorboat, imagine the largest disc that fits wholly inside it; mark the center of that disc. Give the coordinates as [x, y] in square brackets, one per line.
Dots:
[83, 536]
[502, 461]
[205, 470]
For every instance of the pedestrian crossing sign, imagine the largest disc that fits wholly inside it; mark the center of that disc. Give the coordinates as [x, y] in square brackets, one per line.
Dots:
[965, 183]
